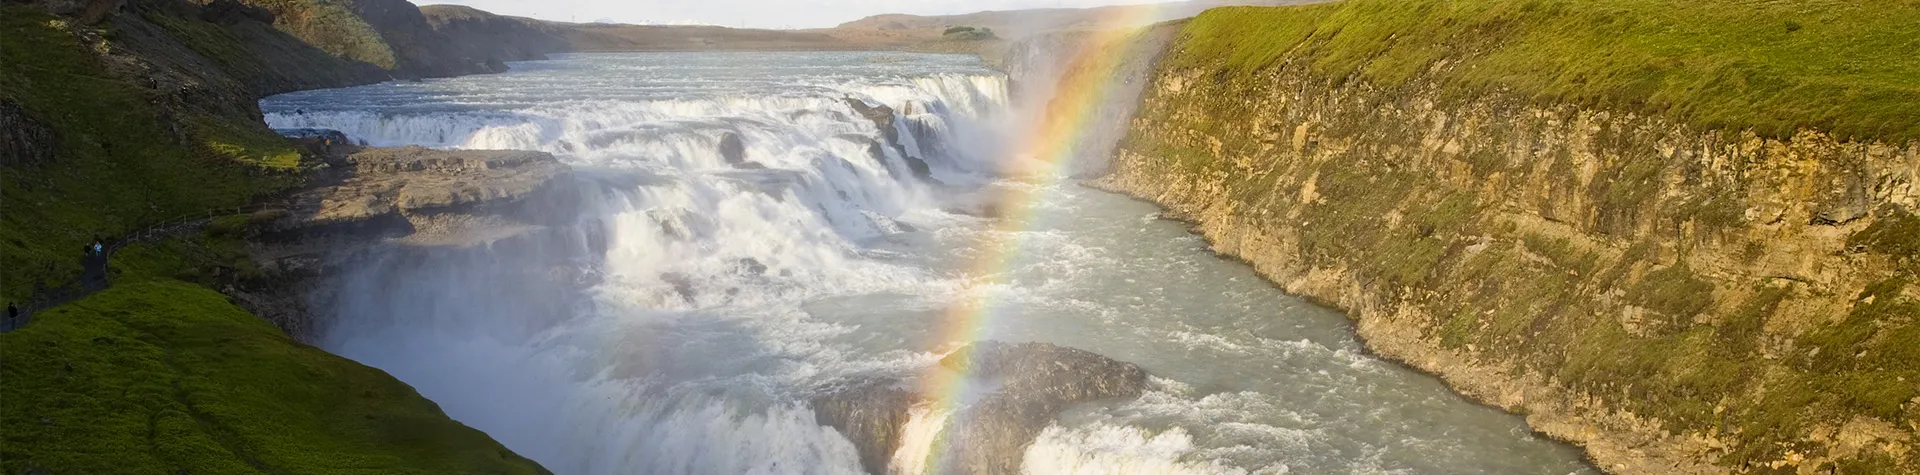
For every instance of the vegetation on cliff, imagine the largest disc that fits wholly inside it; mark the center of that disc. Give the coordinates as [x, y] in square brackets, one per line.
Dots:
[245, 47]
[1555, 204]
[119, 163]
[160, 376]
[333, 27]
[1846, 67]
[147, 115]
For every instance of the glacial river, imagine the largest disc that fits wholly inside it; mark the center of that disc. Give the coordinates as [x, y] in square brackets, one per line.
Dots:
[682, 324]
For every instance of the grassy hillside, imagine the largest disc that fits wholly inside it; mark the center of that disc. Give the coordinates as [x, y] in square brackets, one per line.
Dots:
[119, 163]
[160, 376]
[265, 61]
[1851, 67]
[144, 117]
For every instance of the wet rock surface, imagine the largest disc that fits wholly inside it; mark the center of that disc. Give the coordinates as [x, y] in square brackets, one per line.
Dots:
[871, 414]
[732, 149]
[988, 436]
[882, 117]
[1037, 381]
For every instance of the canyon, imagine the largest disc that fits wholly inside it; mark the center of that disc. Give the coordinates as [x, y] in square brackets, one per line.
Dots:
[1675, 278]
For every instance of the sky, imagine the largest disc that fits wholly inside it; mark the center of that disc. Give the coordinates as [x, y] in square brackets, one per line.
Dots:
[751, 13]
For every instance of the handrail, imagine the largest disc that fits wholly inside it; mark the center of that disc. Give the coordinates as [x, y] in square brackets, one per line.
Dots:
[94, 273]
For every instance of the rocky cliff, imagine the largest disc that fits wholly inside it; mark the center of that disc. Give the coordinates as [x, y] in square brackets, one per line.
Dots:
[1630, 224]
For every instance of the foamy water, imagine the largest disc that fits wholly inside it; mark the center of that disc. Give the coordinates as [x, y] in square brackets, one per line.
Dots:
[704, 304]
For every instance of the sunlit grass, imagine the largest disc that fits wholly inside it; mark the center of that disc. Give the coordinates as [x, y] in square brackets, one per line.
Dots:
[1851, 68]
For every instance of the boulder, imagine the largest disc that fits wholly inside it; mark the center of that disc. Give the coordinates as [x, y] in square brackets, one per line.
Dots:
[871, 414]
[883, 118]
[732, 149]
[1037, 381]
[989, 436]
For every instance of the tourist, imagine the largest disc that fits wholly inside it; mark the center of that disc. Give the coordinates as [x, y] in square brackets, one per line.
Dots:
[12, 312]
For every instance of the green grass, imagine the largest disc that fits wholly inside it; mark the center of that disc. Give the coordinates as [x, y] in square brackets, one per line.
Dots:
[1673, 291]
[160, 376]
[118, 166]
[1846, 67]
[1898, 234]
[331, 26]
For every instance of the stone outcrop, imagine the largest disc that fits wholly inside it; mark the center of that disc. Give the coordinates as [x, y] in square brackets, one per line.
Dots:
[883, 118]
[1676, 299]
[430, 195]
[1036, 381]
[871, 414]
[732, 149]
[371, 200]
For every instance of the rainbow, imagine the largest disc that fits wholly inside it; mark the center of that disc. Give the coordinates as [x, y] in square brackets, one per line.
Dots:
[1088, 82]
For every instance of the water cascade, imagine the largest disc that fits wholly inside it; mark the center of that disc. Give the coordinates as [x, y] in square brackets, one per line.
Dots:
[756, 229]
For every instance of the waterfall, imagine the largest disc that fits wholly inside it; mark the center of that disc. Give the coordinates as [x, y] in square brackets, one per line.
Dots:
[660, 333]
[756, 232]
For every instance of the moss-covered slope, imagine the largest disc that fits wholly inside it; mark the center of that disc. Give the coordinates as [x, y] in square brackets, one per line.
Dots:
[117, 162]
[167, 377]
[1681, 234]
[145, 115]
[1841, 66]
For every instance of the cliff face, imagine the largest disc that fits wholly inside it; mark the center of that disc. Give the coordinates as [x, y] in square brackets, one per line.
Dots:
[1677, 298]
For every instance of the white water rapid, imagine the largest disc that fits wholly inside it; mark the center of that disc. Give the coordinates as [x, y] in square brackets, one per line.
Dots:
[703, 296]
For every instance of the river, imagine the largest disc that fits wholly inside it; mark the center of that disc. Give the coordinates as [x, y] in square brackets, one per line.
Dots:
[749, 237]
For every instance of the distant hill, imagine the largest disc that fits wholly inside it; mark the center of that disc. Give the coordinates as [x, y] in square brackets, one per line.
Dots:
[490, 36]
[618, 37]
[1021, 23]
[486, 36]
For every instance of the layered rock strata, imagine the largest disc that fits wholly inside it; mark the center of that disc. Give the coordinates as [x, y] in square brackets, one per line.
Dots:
[1674, 298]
